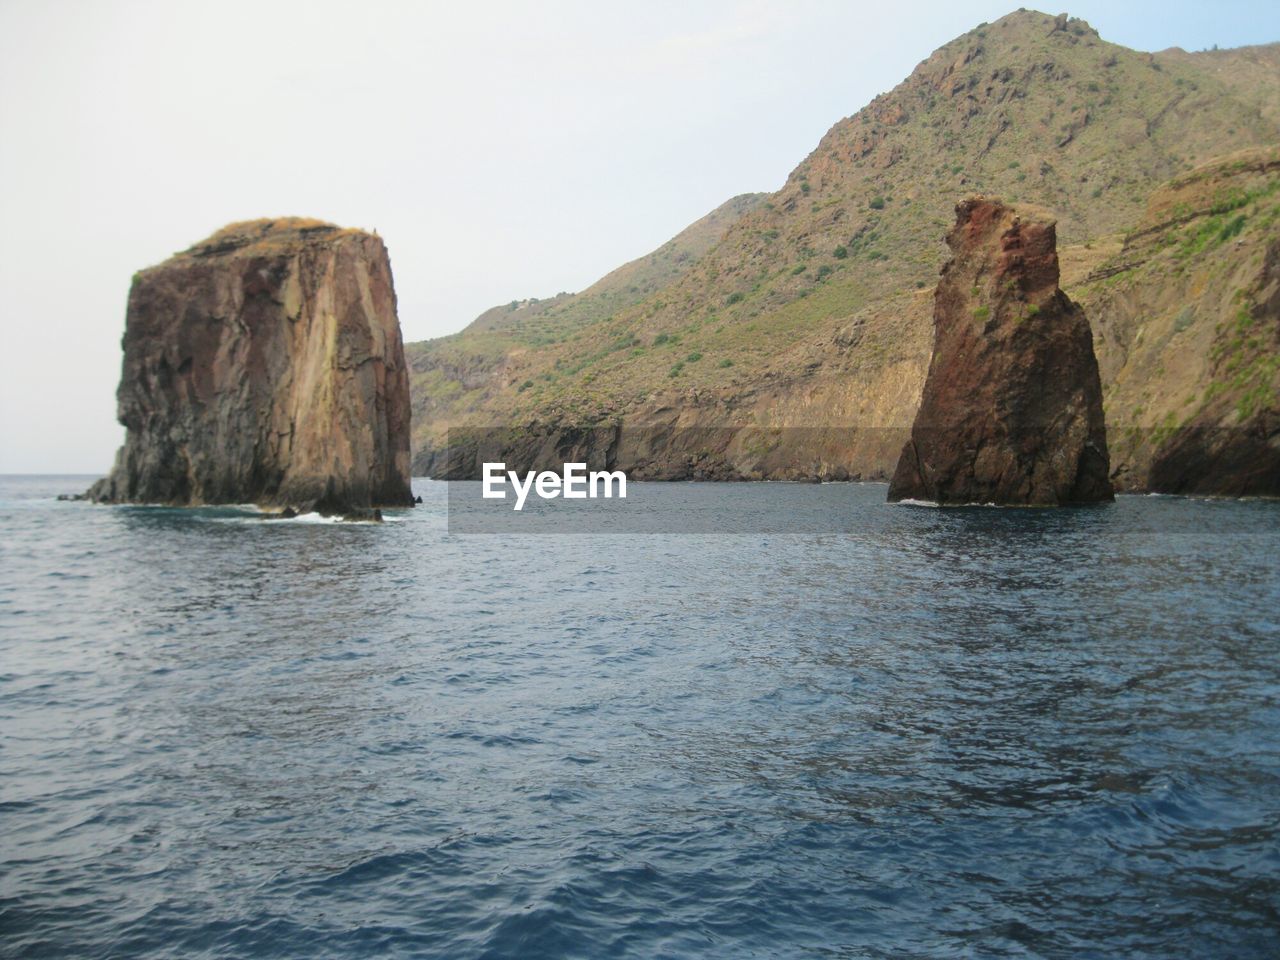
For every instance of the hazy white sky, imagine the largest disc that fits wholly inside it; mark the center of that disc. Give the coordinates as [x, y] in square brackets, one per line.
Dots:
[501, 150]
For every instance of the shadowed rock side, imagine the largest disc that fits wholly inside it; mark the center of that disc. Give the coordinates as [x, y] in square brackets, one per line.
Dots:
[1012, 404]
[265, 365]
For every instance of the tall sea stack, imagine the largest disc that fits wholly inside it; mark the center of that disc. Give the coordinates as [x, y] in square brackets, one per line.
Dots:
[1012, 405]
[265, 365]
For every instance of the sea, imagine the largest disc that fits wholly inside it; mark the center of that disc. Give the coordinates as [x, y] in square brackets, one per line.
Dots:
[910, 733]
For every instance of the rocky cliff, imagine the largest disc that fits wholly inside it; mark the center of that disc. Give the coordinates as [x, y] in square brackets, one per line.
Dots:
[1011, 411]
[265, 365]
[1187, 318]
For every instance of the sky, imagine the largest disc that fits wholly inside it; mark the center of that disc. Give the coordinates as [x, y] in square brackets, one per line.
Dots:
[501, 150]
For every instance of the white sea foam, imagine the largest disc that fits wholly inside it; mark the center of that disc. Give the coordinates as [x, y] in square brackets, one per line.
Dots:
[318, 518]
[304, 518]
[310, 518]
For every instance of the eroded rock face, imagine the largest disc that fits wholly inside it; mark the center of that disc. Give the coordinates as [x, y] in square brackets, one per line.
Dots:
[265, 365]
[1012, 405]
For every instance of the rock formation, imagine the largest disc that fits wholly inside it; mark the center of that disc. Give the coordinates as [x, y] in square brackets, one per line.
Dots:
[265, 365]
[1012, 404]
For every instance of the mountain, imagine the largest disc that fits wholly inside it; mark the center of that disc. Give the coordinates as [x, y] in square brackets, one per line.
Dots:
[452, 377]
[800, 334]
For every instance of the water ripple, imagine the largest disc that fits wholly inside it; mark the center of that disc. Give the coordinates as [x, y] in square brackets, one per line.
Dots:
[970, 733]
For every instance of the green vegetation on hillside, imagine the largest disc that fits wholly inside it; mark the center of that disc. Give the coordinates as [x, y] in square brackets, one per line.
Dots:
[1032, 108]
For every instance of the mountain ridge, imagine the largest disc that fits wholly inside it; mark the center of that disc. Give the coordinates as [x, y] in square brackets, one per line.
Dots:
[806, 313]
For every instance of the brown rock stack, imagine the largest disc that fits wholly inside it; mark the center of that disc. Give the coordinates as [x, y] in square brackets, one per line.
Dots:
[1012, 405]
[265, 365]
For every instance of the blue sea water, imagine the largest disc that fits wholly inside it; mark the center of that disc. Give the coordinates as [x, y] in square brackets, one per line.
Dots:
[970, 733]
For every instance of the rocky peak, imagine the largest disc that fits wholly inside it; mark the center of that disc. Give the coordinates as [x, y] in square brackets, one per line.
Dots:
[1012, 405]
